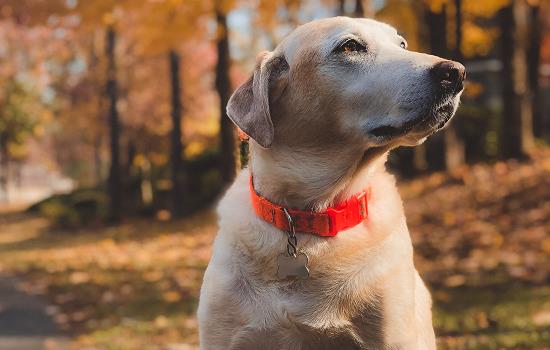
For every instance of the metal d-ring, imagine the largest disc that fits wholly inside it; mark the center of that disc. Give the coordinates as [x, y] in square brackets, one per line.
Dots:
[292, 241]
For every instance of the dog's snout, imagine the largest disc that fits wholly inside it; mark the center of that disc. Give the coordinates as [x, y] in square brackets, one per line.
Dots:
[449, 75]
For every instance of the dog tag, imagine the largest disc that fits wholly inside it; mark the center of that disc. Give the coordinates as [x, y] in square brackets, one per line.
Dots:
[289, 267]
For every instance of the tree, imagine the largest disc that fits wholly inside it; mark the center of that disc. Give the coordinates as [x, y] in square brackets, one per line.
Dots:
[114, 182]
[176, 145]
[223, 88]
[341, 11]
[445, 150]
[533, 57]
[454, 145]
[17, 120]
[436, 20]
[162, 27]
[363, 8]
[516, 135]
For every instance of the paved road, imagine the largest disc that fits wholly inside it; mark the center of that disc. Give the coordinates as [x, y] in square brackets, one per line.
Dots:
[24, 324]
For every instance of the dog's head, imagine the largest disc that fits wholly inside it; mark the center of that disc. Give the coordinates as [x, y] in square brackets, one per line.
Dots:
[346, 81]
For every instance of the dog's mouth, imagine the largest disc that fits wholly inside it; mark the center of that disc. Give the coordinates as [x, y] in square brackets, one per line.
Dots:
[441, 115]
[389, 131]
[427, 122]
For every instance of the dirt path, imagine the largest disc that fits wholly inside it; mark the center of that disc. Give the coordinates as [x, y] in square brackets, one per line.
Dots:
[24, 323]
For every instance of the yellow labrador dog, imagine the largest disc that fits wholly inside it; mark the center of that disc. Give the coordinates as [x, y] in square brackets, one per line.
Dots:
[313, 250]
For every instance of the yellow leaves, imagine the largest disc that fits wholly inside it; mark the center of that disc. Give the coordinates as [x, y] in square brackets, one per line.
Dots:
[153, 276]
[449, 218]
[110, 280]
[455, 280]
[482, 320]
[163, 215]
[161, 321]
[490, 219]
[436, 5]
[479, 41]
[140, 160]
[158, 26]
[473, 89]
[486, 8]
[541, 318]
[498, 240]
[174, 3]
[108, 19]
[159, 158]
[39, 130]
[224, 6]
[79, 277]
[171, 296]
[403, 16]
[194, 148]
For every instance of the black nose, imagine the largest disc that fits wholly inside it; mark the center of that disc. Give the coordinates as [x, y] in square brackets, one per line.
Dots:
[449, 75]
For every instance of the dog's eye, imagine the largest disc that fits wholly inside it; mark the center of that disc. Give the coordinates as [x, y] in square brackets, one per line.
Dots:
[403, 45]
[351, 46]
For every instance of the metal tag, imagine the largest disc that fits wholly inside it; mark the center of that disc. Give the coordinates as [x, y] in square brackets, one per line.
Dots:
[290, 267]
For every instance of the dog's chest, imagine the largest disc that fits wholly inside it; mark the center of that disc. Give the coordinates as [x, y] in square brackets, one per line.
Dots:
[318, 316]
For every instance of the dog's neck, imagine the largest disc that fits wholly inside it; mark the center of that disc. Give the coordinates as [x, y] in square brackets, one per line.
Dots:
[310, 179]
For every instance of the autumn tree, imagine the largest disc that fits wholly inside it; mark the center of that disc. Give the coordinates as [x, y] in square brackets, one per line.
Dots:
[22, 78]
[454, 145]
[114, 182]
[533, 65]
[163, 28]
[436, 20]
[223, 88]
[363, 8]
[516, 136]
[176, 146]
[17, 120]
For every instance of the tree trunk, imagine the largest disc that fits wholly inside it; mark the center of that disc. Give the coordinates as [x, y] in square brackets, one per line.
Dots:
[114, 183]
[516, 136]
[363, 8]
[223, 87]
[98, 137]
[533, 57]
[4, 171]
[341, 8]
[98, 178]
[176, 143]
[454, 145]
[437, 28]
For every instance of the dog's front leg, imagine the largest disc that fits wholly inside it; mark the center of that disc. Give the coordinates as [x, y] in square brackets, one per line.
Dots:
[401, 329]
[217, 313]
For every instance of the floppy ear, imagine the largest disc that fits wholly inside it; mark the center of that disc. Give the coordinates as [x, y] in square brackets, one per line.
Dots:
[248, 107]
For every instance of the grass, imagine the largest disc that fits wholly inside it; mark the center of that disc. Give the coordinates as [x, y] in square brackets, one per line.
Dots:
[502, 316]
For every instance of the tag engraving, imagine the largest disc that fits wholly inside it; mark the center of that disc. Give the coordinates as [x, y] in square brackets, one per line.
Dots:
[290, 267]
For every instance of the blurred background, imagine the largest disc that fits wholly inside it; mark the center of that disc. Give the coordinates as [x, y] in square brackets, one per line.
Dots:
[115, 146]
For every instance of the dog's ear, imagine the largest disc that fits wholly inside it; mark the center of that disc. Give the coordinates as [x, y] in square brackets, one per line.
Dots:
[248, 107]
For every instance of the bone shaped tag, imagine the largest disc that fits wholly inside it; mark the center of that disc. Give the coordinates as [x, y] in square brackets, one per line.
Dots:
[290, 267]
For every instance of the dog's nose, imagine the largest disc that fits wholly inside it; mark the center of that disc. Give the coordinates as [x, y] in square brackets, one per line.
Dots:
[449, 75]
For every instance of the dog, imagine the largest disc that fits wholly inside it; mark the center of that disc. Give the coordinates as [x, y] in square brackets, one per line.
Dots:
[322, 112]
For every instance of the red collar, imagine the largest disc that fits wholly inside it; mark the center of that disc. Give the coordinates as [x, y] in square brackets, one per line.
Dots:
[327, 223]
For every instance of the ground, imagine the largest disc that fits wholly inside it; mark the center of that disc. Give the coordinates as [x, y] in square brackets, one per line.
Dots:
[481, 237]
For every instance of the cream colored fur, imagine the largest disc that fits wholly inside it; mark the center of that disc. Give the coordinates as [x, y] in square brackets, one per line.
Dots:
[313, 146]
